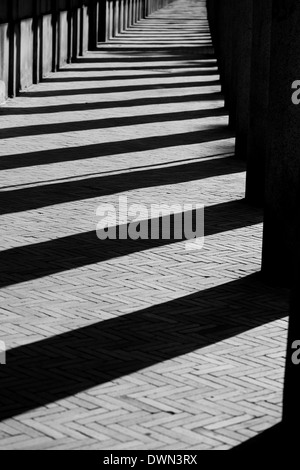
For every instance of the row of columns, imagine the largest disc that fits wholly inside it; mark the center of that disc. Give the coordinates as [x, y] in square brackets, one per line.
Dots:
[257, 43]
[118, 15]
[40, 36]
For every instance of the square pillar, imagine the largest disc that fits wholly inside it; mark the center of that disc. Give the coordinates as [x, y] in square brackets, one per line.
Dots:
[283, 162]
[243, 62]
[259, 102]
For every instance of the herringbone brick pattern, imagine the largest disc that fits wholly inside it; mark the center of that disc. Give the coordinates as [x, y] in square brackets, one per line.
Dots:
[132, 344]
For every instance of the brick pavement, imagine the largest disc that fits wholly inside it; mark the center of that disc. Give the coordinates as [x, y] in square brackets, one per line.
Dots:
[132, 344]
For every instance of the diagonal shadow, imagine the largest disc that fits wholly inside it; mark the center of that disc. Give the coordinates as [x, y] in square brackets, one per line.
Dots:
[57, 193]
[84, 152]
[170, 56]
[106, 123]
[216, 96]
[118, 89]
[138, 168]
[31, 262]
[171, 73]
[200, 67]
[204, 50]
[202, 46]
[61, 366]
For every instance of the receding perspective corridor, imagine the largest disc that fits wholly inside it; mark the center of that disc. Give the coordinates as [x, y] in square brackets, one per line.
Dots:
[133, 344]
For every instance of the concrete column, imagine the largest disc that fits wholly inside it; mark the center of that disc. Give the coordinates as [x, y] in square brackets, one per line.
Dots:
[116, 18]
[133, 11]
[259, 102]
[70, 35]
[291, 404]
[47, 41]
[103, 21]
[283, 162]
[231, 103]
[37, 44]
[4, 48]
[220, 36]
[121, 19]
[130, 13]
[125, 15]
[142, 9]
[243, 62]
[55, 36]
[63, 38]
[124, 3]
[4, 61]
[14, 49]
[228, 90]
[93, 24]
[211, 14]
[110, 18]
[221, 17]
[26, 53]
[75, 33]
[85, 29]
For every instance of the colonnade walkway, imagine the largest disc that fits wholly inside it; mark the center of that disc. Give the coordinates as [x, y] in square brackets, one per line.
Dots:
[132, 344]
